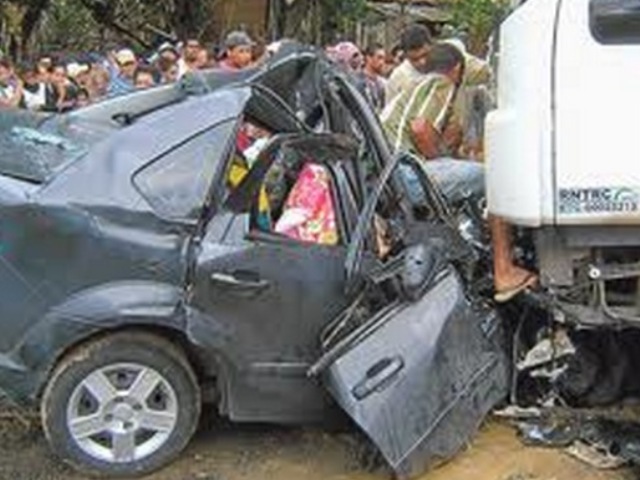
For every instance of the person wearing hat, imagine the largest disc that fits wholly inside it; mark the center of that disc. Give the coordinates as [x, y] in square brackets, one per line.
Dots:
[122, 68]
[239, 51]
[168, 52]
[78, 72]
[165, 61]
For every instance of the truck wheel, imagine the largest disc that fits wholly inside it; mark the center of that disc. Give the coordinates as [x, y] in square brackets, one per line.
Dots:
[123, 405]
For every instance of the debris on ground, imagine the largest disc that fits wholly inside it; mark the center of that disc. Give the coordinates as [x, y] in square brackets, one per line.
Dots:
[601, 443]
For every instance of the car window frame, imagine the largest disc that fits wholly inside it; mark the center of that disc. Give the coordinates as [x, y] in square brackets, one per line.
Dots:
[255, 178]
[207, 196]
[254, 235]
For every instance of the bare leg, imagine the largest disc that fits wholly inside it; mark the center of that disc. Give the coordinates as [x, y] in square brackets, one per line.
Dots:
[509, 279]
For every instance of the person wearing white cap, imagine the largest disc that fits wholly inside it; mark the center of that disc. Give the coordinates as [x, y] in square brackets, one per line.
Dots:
[122, 69]
[168, 52]
[239, 51]
[79, 73]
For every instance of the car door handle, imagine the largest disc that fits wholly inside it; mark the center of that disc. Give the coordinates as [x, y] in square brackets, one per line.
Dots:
[240, 283]
[378, 377]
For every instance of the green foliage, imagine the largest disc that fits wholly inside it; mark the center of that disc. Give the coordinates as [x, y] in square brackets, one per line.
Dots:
[347, 9]
[68, 26]
[32, 26]
[340, 16]
[477, 18]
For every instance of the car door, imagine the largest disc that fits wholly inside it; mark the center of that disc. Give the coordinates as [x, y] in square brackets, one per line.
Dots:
[270, 296]
[422, 372]
[420, 377]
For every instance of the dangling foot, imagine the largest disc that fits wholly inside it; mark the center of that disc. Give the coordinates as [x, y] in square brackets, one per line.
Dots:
[517, 281]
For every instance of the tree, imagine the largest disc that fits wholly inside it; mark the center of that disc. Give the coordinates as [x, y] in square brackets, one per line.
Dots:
[32, 14]
[339, 17]
[478, 19]
[66, 26]
[20, 19]
[87, 24]
[107, 13]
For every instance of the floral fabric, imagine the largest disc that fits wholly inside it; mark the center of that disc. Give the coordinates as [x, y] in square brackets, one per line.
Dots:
[309, 213]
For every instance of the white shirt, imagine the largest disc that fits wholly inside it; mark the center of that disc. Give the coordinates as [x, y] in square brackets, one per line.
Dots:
[183, 68]
[402, 78]
[35, 100]
[7, 92]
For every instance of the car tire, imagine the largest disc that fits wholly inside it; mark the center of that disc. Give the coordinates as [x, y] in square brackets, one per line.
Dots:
[123, 405]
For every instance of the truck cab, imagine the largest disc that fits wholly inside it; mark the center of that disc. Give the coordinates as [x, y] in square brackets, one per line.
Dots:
[561, 149]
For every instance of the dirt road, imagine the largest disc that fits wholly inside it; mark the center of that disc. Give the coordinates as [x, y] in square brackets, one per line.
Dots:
[227, 452]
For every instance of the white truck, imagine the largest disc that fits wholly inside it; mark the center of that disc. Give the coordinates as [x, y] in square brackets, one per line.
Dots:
[562, 148]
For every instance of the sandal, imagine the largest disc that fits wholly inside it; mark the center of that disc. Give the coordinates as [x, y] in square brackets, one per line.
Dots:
[506, 295]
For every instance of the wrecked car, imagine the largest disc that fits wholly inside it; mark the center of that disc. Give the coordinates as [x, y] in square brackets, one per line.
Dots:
[241, 243]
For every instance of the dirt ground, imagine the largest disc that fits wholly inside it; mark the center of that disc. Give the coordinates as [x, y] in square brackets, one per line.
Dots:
[229, 452]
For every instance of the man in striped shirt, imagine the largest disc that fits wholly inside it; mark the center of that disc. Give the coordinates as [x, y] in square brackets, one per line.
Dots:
[428, 102]
[421, 120]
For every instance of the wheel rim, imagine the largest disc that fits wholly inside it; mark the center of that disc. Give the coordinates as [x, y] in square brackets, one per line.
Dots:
[122, 413]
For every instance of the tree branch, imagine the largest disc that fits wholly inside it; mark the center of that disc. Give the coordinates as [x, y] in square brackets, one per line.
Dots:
[30, 19]
[104, 13]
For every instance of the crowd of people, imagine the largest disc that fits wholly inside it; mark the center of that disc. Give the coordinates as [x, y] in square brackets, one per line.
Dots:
[51, 84]
[58, 83]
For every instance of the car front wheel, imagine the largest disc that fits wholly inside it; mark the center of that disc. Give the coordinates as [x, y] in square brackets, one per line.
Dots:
[123, 405]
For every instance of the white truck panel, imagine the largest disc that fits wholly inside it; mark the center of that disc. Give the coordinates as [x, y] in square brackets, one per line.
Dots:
[518, 133]
[574, 91]
[598, 120]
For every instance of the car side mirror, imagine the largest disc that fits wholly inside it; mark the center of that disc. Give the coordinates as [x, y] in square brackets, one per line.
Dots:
[615, 21]
[422, 263]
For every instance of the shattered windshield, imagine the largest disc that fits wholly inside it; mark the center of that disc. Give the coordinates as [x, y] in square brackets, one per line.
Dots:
[35, 147]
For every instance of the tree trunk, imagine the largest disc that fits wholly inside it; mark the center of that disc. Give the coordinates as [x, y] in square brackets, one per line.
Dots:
[29, 23]
[187, 18]
[104, 13]
[277, 23]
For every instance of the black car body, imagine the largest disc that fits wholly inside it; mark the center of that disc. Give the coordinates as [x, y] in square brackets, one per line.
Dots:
[119, 218]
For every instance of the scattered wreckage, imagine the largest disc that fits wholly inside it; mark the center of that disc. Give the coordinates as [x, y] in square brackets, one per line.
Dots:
[151, 266]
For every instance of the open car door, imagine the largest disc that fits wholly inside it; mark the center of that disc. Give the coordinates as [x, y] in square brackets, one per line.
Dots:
[420, 374]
